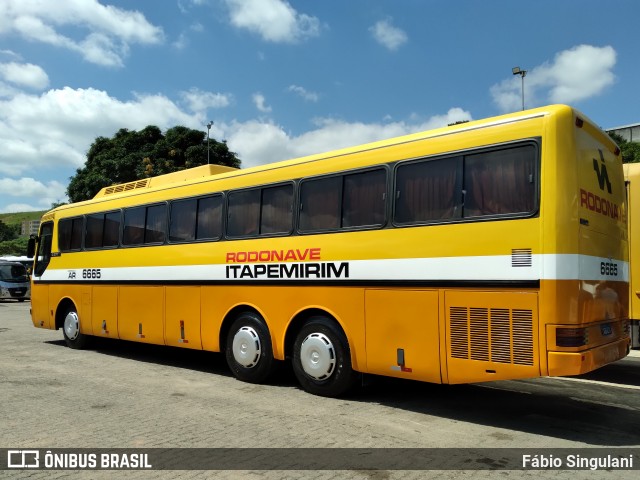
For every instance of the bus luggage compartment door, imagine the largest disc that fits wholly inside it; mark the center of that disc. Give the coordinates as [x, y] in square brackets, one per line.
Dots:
[402, 334]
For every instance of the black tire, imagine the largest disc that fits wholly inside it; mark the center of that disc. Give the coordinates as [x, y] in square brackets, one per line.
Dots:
[248, 349]
[73, 337]
[322, 359]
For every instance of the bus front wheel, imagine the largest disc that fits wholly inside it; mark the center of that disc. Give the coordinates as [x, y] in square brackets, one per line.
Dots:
[248, 349]
[322, 359]
[73, 337]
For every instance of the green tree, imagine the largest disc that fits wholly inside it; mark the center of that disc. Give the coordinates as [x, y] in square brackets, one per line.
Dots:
[17, 247]
[134, 155]
[630, 150]
[8, 232]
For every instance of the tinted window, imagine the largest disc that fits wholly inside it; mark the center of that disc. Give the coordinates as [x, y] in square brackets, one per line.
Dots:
[276, 213]
[70, 234]
[500, 182]
[182, 227]
[133, 233]
[102, 230]
[156, 224]
[344, 201]
[209, 218]
[428, 191]
[144, 225]
[320, 204]
[43, 254]
[364, 198]
[244, 213]
[196, 219]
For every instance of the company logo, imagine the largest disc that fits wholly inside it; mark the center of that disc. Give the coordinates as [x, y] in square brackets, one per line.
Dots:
[601, 172]
[23, 459]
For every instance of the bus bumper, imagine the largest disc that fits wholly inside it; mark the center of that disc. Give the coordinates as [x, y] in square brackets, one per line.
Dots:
[576, 363]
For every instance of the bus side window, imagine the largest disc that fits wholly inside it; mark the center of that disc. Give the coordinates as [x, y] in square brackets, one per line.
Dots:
[155, 224]
[500, 182]
[182, 225]
[133, 233]
[70, 234]
[209, 220]
[244, 213]
[428, 190]
[320, 204]
[277, 209]
[364, 198]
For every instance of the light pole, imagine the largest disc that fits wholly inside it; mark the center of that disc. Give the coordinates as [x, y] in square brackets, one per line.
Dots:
[208, 128]
[522, 73]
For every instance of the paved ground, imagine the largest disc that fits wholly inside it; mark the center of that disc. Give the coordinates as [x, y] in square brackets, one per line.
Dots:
[121, 395]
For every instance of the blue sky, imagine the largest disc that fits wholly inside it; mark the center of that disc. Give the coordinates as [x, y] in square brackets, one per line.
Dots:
[285, 78]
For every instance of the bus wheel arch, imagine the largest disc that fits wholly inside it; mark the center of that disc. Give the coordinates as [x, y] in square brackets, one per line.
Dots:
[320, 353]
[68, 319]
[245, 340]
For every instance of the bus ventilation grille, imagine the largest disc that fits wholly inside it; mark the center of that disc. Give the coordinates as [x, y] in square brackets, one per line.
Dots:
[125, 187]
[495, 335]
[521, 257]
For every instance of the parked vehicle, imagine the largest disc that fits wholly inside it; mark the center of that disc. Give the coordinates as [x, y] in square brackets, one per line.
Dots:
[14, 281]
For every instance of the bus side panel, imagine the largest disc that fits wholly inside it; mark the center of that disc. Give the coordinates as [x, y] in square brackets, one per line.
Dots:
[141, 314]
[491, 335]
[402, 334]
[182, 326]
[632, 174]
[40, 315]
[104, 310]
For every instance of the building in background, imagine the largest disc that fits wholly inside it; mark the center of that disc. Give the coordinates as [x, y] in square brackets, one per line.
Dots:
[631, 133]
[30, 227]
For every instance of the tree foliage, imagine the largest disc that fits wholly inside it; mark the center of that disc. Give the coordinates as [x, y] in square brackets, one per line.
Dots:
[134, 155]
[8, 232]
[630, 150]
[17, 247]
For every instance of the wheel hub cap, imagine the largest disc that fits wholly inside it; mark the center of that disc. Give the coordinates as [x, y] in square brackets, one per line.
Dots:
[71, 325]
[318, 356]
[246, 347]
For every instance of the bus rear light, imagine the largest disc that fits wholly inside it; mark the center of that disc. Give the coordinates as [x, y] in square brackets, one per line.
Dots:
[626, 327]
[571, 337]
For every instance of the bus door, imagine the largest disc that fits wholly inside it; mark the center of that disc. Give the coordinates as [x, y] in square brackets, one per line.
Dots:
[40, 292]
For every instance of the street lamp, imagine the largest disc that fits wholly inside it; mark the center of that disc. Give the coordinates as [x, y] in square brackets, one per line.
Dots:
[208, 128]
[522, 73]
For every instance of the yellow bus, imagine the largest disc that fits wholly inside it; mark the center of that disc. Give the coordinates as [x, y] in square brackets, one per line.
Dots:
[490, 250]
[632, 176]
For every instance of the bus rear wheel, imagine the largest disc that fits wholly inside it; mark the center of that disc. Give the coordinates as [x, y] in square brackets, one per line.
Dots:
[73, 337]
[322, 359]
[248, 349]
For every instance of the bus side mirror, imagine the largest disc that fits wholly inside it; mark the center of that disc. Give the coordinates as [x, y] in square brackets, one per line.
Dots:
[31, 246]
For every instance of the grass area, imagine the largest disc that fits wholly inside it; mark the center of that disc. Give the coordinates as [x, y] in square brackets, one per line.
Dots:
[18, 218]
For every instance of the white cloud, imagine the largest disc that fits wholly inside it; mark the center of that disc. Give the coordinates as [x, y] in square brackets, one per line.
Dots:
[274, 20]
[54, 130]
[111, 29]
[29, 188]
[576, 74]
[387, 35]
[257, 143]
[261, 103]
[24, 74]
[199, 101]
[304, 93]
